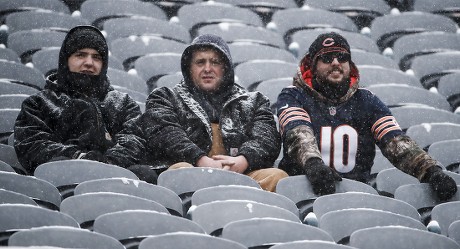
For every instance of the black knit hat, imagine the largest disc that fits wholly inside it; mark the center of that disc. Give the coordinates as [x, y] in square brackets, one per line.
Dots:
[326, 43]
[85, 37]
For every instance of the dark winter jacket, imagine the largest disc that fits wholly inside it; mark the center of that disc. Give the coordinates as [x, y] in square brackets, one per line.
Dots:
[63, 121]
[177, 122]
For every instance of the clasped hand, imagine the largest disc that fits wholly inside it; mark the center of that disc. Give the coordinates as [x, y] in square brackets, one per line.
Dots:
[236, 164]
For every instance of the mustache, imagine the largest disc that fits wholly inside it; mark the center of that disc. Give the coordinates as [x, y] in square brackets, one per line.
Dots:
[336, 69]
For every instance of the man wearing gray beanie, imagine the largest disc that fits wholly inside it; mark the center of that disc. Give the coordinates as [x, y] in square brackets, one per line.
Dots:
[78, 115]
[330, 126]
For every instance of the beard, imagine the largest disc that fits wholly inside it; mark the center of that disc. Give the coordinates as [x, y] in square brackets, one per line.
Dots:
[329, 89]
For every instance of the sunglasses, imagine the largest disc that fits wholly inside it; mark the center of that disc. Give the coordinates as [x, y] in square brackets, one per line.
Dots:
[329, 57]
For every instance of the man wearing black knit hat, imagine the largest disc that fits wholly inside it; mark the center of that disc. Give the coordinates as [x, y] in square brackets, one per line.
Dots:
[330, 127]
[79, 115]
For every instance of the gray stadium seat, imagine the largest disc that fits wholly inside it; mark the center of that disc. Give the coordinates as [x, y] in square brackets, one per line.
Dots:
[449, 8]
[213, 216]
[6, 167]
[28, 20]
[42, 192]
[362, 12]
[429, 68]
[397, 237]
[130, 227]
[85, 208]
[98, 11]
[446, 152]
[7, 7]
[385, 30]
[129, 49]
[265, 8]
[272, 88]
[184, 240]
[263, 232]
[165, 63]
[287, 21]
[426, 134]
[250, 73]
[388, 180]
[185, 181]
[314, 244]
[16, 217]
[408, 47]
[373, 75]
[169, 80]
[12, 101]
[445, 214]
[246, 51]
[138, 26]
[338, 201]
[299, 190]
[10, 87]
[26, 42]
[124, 79]
[13, 197]
[448, 87]
[238, 192]
[9, 55]
[454, 231]
[394, 95]
[341, 224]
[60, 236]
[162, 195]
[422, 197]
[194, 16]
[22, 74]
[407, 116]
[232, 32]
[363, 58]
[65, 175]
[8, 155]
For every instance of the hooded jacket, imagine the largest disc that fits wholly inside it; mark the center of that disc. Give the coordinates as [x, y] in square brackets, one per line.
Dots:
[342, 131]
[177, 121]
[69, 118]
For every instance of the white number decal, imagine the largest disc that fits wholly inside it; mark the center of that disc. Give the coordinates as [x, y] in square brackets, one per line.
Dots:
[339, 147]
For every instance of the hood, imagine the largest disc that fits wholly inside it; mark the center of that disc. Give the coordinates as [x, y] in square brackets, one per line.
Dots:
[80, 37]
[304, 79]
[215, 42]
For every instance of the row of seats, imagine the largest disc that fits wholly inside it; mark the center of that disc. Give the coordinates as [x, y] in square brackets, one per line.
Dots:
[407, 56]
[110, 200]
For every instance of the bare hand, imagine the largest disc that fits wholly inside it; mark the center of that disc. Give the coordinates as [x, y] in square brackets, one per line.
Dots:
[206, 161]
[237, 164]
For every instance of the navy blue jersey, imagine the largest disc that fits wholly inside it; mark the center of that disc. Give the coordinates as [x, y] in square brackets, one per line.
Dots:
[346, 133]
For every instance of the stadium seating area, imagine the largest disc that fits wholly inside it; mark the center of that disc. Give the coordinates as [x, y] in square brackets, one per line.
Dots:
[408, 53]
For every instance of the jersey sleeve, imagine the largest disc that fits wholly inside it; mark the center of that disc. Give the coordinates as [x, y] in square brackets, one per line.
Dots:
[384, 126]
[290, 110]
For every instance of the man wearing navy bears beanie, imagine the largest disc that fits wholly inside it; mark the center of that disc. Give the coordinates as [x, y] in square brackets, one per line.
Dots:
[330, 126]
[78, 115]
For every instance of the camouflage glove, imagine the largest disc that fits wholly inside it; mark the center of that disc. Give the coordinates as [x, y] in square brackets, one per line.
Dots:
[444, 186]
[321, 177]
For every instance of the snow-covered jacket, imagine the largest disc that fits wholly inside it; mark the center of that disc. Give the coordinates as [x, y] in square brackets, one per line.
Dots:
[54, 124]
[60, 122]
[178, 128]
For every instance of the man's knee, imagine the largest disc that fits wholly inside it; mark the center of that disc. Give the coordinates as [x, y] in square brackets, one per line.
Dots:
[180, 165]
[268, 178]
